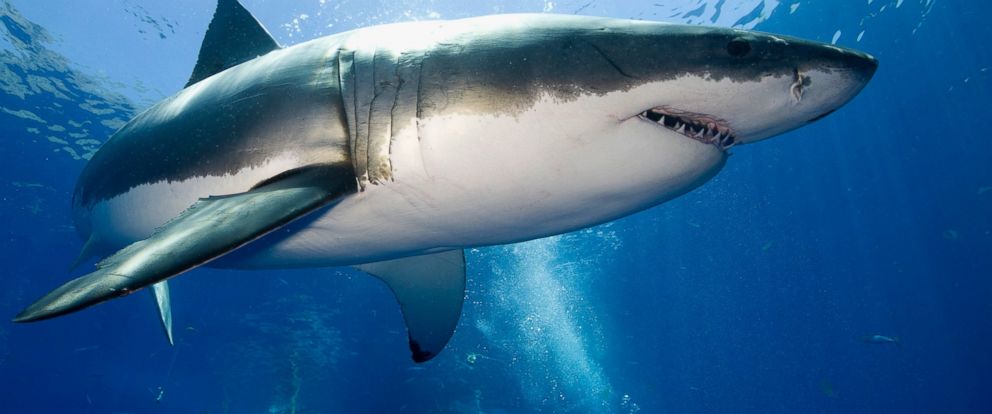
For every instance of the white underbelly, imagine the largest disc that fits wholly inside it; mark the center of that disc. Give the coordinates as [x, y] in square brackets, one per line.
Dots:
[390, 221]
[443, 196]
[414, 214]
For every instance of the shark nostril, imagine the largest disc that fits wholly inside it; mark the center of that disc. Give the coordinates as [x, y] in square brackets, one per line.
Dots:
[738, 47]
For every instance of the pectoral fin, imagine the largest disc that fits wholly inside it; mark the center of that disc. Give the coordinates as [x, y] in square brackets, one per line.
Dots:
[430, 289]
[209, 229]
[160, 291]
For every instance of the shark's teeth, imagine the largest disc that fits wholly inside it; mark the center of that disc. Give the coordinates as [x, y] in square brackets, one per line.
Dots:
[702, 128]
[726, 141]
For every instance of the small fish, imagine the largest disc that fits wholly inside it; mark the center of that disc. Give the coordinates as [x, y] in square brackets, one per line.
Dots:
[881, 339]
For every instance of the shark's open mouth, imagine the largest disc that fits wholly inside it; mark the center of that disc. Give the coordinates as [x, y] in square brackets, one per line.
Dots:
[700, 127]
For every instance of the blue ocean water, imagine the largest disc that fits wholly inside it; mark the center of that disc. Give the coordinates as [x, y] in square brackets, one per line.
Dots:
[754, 293]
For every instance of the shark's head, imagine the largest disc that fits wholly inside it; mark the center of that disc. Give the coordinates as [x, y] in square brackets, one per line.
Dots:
[734, 86]
[726, 86]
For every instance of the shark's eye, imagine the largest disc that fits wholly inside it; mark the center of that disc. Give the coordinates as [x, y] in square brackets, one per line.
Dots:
[738, 47]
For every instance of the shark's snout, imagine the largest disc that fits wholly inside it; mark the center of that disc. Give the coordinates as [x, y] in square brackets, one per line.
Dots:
[821, 78]
[833, 83]
[864, 64]
[853, 68]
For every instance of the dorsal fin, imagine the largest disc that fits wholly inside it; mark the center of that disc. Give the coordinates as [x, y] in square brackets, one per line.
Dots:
[234, 37]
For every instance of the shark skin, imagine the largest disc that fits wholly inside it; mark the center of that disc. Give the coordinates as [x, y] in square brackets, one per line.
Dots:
[405, 144]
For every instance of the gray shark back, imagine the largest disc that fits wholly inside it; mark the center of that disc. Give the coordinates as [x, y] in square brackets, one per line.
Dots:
[287, 101]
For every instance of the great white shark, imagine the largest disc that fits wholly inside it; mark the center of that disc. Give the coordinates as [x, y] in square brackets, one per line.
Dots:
[392, 148]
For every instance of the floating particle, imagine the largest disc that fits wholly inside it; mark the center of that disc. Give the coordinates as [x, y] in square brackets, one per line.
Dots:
[951, 234]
